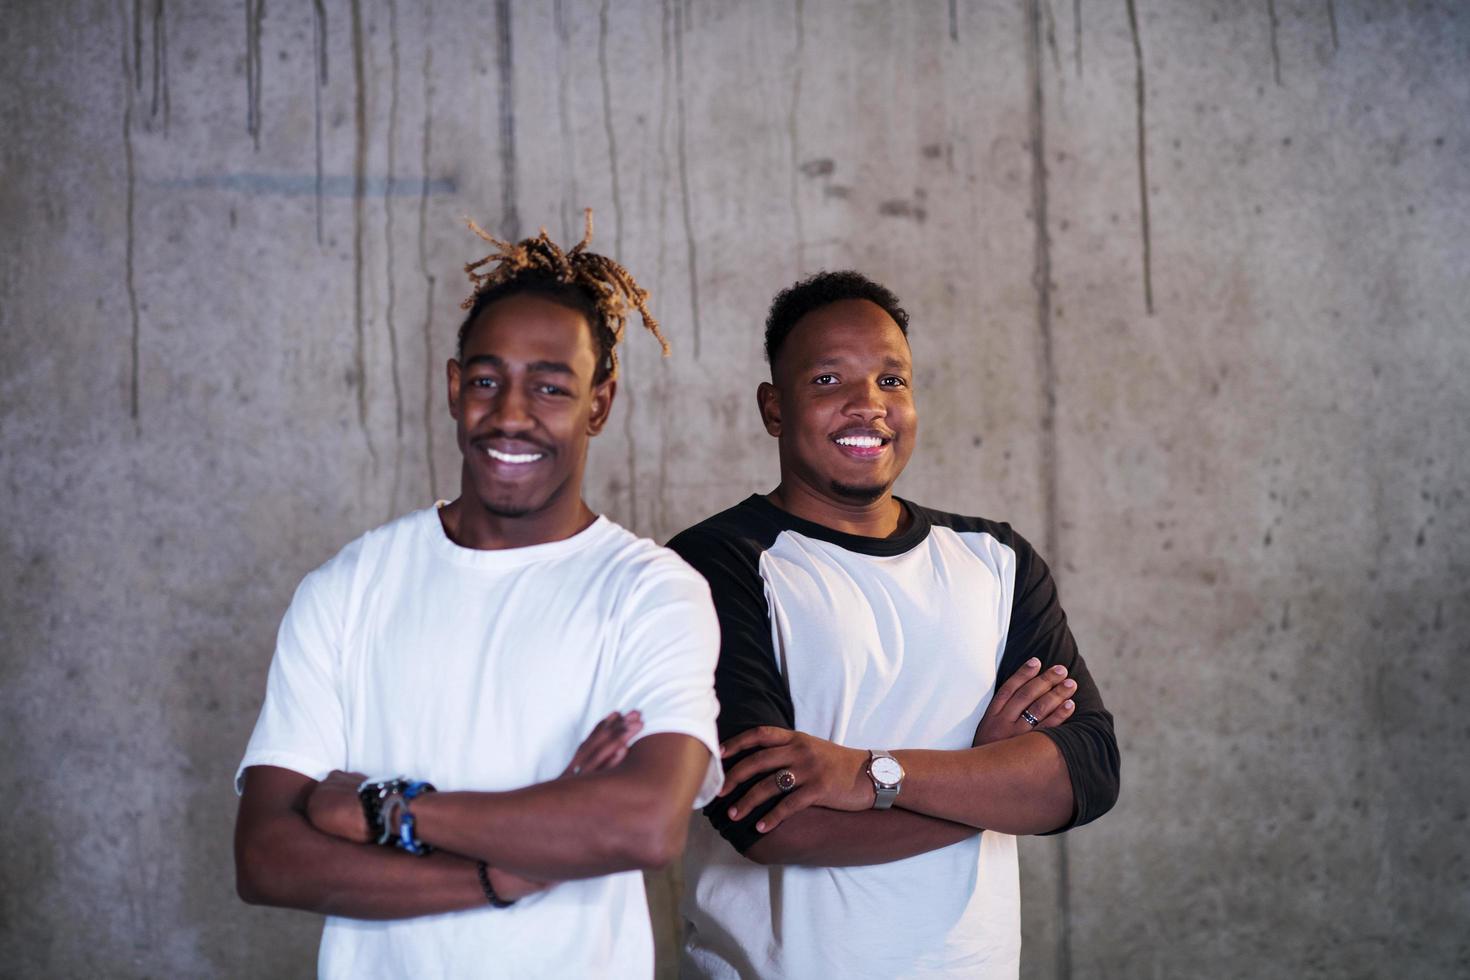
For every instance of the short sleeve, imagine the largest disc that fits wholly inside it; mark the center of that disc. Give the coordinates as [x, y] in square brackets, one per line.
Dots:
[748, 680]
[301, 725]
[670, 640]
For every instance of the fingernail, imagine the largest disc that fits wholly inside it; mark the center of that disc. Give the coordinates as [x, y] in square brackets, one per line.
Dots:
[1069, 683]
[1034, 662]
[1068, 705]
[733, 814]
[761, 826]
[1059, 669]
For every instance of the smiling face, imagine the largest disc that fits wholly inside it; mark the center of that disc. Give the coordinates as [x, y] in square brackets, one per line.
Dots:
[841, 403]
[525, 405]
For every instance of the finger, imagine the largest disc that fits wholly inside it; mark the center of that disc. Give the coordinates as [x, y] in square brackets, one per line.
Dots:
[610, 751]
[1034, 689]
[796, 801]
[756, 764]
[758, 794]
[1047, 705]
[1013, 683]
[1062, 713]
[607, 732]
[765, 735]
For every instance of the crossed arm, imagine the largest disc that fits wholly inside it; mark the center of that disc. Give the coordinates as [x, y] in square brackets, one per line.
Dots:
[1013, 780]
[303, 844]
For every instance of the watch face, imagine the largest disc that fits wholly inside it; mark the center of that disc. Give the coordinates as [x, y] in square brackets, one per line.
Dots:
[886, 770]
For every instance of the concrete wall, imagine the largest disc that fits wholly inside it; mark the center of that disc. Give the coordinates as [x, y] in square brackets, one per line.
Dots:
[1227, 399]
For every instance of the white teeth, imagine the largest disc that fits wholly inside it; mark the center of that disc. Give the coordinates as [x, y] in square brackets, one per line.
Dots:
[860, 442]
[514, 457]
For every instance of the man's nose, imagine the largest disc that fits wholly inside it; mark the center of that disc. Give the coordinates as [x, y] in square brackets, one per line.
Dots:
[511, 410]
[866, 401]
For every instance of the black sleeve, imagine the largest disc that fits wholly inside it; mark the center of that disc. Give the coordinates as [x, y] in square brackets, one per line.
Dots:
[748, 681]
[1039, 629]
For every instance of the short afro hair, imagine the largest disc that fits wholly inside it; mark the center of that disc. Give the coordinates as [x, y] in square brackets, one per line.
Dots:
[824, 289]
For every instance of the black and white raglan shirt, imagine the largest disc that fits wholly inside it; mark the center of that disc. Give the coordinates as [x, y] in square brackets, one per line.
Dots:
[874, 643]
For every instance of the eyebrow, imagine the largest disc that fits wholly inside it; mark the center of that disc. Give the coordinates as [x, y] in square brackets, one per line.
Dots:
[889, 363]
[536, 367]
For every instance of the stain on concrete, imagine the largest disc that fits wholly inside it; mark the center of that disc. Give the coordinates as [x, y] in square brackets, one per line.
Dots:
[1332, 22]
[129, 69]
[425, 150]
[1274, 23]
[793, 129]
[954, 21]
[899, 208]
[571, 198]
[319, 44]
[359, 180]
[1140, 122]
[160, 96]
[510, 219]
[839, 191]
[1077, 35]
[303, 185]
[1041, 283]
[610, 129]
[254, 18]
[691, 251]
[818, 168]
[390, 283]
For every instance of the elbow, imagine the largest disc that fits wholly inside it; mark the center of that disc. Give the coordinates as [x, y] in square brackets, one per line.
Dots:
[656, 839]
[260, 879]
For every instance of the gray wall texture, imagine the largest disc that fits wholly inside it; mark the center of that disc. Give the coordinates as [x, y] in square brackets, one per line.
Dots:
[1188, 281]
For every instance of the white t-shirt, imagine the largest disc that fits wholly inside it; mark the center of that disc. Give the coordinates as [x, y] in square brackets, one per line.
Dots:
[484, 670]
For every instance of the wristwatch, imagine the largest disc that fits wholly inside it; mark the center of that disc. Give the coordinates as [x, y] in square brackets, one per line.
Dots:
[887, 777]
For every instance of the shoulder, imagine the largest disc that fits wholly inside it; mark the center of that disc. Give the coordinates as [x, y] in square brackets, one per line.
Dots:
[1002, 532]
[639, 563]
[338, 574]
[740, 532]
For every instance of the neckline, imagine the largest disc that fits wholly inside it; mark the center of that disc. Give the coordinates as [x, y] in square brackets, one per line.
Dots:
[445, 547]
[915, 534]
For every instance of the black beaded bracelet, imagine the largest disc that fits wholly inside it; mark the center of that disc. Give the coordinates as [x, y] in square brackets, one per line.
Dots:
[489, 889]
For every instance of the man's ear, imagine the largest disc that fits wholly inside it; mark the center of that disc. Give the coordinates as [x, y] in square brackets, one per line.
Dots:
[768, 398]
[602, 400]
[451, 377]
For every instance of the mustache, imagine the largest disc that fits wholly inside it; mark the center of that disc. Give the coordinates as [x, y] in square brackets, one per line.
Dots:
[503, 442]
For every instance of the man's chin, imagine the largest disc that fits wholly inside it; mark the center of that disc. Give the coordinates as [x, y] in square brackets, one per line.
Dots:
[857, 494]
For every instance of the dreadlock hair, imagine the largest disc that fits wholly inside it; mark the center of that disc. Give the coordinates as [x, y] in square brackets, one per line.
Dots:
[824, 289]
[594, 285]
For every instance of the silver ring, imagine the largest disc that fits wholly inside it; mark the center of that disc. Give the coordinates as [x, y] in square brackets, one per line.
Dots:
[785, 780]
[1030, 719]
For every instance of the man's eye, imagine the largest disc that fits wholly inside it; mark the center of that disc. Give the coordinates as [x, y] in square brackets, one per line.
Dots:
[825, 379]
[482, 382]
[893, 382]
[551, 390]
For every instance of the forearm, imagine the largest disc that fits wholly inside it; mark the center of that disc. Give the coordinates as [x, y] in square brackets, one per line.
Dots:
[633, 817]
[1017, 786]
[819, 837]
[286, 862]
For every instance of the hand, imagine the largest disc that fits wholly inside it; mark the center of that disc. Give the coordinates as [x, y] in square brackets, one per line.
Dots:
[827, 774]
[1047, 694]
[335, 808]
[605, 747]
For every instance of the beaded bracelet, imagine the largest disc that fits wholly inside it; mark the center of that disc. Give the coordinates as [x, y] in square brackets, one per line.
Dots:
[489, 889]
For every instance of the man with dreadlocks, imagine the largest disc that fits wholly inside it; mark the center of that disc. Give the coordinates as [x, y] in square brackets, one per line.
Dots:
[469, 647]
[863, 638]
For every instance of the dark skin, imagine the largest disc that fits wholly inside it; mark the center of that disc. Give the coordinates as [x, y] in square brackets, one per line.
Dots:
[525, 400]
[841, 406]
